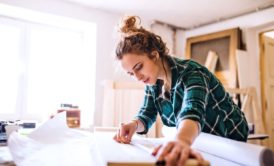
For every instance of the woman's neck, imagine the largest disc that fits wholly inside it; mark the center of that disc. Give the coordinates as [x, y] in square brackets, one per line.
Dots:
[165, 73]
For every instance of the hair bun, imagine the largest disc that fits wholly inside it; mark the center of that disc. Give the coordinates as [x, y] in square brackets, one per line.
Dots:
[128, 24]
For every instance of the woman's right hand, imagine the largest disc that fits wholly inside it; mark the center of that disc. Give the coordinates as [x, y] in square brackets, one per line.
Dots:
[125, 132]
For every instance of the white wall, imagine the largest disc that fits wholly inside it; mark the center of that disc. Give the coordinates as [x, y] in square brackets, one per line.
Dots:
[166, 34]
[247, 21]
[180, 43]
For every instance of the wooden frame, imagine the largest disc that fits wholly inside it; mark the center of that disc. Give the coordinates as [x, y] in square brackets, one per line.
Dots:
[265, 80]
[224, 43]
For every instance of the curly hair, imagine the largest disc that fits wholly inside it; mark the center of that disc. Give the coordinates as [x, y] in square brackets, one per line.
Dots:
[138, 40]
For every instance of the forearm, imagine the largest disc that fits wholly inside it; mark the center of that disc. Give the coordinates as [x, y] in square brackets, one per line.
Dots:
[188, 130]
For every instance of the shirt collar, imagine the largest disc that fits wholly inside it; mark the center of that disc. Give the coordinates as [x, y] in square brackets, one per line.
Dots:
[174, 69]
[174, 72]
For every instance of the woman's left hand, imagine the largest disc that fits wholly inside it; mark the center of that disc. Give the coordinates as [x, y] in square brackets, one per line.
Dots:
[176, 153]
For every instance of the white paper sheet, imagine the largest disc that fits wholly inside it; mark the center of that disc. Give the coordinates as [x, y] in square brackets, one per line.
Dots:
[236, 151]
[139, 151]
[112, 152]
[53, 144]
[5, 155]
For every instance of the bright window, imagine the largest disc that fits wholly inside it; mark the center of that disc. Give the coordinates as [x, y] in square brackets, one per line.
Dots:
[10, 67]
[45, 62]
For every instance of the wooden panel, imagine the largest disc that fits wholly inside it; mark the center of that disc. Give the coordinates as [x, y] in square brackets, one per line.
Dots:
[267, 83]
[199, 49]
[243, 67]
[270, 60]
[224, 43]
[122, 101]
[271, 104]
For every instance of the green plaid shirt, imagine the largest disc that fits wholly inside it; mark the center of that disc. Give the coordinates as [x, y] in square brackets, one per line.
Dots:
[195, 94]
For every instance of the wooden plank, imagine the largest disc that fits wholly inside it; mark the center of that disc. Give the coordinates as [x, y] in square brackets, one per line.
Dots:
[189, 162]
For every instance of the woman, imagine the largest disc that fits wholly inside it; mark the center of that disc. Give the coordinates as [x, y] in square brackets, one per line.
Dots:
[184, 94]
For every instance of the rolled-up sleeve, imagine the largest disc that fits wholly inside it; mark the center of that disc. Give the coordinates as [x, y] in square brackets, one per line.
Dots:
[148, 113]
[195, 97]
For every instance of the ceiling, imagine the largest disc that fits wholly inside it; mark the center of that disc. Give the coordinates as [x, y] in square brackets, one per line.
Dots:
[185, 14]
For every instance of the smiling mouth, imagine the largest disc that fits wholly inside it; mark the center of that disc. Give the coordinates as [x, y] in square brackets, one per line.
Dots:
[146, 81]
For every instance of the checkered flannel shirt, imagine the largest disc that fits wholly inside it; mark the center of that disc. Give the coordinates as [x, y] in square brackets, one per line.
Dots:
[195, 94]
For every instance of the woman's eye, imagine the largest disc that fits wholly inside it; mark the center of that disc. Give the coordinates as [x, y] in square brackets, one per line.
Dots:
[139, 67]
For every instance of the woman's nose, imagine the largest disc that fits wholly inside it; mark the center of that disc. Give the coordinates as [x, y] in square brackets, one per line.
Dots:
[138, 76]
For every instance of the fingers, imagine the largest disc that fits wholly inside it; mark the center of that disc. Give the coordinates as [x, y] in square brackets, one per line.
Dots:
[177, 153]
[129, 135]
[173, 157]
[155, 150]
[184, 156]
[124, 133]
[173, 153]
[199, 158]
[195, 154]
[160, 162]
[117, 137]
[165, 150]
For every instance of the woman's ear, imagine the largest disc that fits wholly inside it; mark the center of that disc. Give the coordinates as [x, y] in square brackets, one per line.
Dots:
[155, 55]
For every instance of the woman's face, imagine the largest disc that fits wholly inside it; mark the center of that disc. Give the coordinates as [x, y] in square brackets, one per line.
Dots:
[141, 67]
